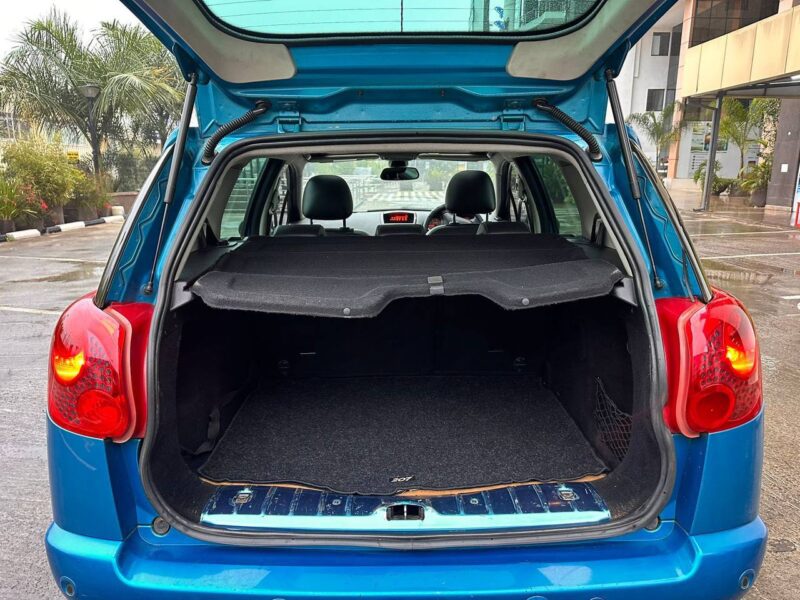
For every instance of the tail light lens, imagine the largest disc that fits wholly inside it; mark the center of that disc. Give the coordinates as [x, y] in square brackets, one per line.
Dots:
[713, 364]
[96, 376]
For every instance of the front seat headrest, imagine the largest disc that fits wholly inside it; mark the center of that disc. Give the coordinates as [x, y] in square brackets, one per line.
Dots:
[470, 193]
[328, 198]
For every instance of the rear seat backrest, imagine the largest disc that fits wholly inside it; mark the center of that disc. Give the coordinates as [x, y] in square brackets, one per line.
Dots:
[502, 227]
[299, 230]
[399, 229]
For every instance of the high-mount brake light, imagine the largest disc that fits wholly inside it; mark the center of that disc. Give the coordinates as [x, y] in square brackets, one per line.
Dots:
[713, 363]
[91, 388]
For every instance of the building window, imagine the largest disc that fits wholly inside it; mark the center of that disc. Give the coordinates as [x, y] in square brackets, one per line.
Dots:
[655, 100]
[715, 18]
[660, 45]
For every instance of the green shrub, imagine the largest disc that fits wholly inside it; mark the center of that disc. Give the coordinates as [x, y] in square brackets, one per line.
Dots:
[89, 192]
[43, 167]
[758, 178]
[12, 205]
[719, 185]
[722, 185]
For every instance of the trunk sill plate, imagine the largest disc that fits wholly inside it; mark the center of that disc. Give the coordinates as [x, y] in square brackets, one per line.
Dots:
[531, 506]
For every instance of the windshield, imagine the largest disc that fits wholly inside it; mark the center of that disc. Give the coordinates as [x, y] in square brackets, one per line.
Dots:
[342, 17]
[370, 192]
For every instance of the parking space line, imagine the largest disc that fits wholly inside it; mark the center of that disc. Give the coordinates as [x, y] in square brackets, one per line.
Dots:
[687, 218]
[781, 232]
[751, 255]
[796, 297]
[54, 259]
[30, 311]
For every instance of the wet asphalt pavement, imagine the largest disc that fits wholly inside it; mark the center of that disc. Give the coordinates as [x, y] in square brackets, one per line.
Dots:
[753, 254]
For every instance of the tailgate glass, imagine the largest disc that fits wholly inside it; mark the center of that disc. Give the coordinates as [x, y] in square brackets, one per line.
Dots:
[325, 18]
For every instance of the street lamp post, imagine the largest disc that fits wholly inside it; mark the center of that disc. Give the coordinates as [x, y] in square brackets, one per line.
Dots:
[91, 91]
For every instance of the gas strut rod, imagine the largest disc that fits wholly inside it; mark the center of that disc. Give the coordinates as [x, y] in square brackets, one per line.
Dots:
[174, 171]
[627, 158]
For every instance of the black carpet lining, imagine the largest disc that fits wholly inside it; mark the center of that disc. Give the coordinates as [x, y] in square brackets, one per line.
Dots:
[382, 435]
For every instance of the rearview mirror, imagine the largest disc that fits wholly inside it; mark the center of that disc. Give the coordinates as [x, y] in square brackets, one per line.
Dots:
[399, 174]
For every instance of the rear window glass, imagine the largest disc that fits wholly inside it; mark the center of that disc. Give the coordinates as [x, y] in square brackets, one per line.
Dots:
[371, 193]
[343, 17]
[560, 196]
[240, 197]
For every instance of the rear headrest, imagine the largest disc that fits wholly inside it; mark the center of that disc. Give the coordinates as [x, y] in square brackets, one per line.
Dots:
[470, 193]
[327, 197]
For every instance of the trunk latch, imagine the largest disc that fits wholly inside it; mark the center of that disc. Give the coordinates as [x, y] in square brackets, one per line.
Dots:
[405, 512]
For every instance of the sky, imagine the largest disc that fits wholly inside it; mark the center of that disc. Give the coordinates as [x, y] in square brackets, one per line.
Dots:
[89, 13]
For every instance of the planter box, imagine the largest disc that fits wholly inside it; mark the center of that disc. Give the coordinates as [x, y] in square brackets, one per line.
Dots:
[55, 216]
[759, 198]
[29, 222]
[125, 199]
[86, 213]
[7, 225]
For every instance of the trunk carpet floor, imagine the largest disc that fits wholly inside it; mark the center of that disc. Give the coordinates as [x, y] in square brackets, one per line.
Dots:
[382, 435]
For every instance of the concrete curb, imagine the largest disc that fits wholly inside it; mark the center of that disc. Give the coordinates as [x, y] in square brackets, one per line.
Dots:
[32, 233]
[24, 234]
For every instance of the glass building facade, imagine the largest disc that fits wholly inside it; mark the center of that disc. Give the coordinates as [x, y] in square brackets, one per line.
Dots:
[715, 18]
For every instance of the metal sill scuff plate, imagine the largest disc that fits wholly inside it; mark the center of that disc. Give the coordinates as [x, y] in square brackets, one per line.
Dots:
[530, 506]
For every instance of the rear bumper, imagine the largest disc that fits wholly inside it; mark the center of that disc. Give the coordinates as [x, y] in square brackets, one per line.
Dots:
[665, 564]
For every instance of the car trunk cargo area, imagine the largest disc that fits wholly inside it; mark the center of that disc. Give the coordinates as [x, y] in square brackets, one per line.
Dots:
[429, 394]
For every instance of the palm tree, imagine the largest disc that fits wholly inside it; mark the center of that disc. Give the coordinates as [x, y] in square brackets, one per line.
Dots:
[740, 122]
[41, 77]
[659, 127]
[151, 85]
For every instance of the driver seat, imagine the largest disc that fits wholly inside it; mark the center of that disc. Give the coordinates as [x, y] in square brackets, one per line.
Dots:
[469, 193]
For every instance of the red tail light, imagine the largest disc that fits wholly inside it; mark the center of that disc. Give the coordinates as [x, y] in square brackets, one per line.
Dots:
[96, 384]
[713, 364]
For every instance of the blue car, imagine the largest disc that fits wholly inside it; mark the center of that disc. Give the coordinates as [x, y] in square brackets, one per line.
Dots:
[399, 314]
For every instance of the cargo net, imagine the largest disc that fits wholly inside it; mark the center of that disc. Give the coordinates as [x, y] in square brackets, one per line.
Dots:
[614, 424]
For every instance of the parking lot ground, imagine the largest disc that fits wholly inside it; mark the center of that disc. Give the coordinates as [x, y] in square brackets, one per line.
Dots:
[38, 279]
[755, 254]
[751, 252]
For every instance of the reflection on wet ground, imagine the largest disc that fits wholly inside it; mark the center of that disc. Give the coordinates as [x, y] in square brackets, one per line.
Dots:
[754, 253]
[75, 272]
[719, 227]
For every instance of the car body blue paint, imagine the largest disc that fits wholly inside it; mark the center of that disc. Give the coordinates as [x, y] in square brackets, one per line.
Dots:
[721, 482]
[709, 535]
[665, 564]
